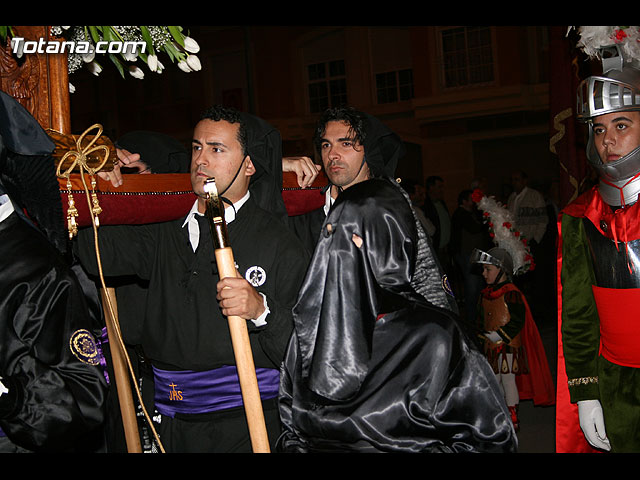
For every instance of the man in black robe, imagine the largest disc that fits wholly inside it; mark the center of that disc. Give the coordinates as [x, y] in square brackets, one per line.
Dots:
[377, 361]
[52, 386]
[354, 146]
[185, 335]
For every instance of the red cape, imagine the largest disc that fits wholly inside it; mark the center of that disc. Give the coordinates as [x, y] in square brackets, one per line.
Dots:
[537, 384]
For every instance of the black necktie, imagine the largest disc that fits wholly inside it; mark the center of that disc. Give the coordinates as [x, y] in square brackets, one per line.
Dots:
[205, 229]
[206, 242]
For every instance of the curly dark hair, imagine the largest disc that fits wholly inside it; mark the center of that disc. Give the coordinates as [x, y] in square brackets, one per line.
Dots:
[349, 115]
[231, 115]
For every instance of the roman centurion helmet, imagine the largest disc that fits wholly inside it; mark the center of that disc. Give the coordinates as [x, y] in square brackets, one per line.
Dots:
[616, 90]
[496, 256]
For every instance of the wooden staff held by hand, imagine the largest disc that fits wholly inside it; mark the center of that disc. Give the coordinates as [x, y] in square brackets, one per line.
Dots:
[237, 325]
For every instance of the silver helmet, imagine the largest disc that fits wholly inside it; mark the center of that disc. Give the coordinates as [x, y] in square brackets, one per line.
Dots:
[496, 256]
[617, 90]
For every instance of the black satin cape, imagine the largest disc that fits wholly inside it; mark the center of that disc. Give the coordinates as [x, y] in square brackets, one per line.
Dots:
[55, 397]
[373, 366]
[56, 389]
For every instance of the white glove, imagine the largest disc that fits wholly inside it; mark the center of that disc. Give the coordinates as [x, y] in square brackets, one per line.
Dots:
[493, 336]
[592, 423]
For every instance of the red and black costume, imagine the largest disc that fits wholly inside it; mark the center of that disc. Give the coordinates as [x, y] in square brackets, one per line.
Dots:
[520, 336]
[599, 291]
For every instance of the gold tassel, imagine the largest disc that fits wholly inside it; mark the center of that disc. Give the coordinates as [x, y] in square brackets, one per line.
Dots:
[80, 158]
[72, 213]
[96, 209]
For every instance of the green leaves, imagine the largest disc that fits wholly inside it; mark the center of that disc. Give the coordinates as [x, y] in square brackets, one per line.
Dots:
[126, 47]
[167, 40]
[176, 33]
[5, 31]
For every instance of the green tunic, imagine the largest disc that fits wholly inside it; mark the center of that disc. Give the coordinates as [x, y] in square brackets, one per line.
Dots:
[591, 376]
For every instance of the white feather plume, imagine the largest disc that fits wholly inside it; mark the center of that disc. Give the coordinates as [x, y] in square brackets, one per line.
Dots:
[503, 232]
[594, 37]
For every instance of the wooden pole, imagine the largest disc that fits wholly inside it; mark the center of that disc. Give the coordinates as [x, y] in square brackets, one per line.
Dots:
[123, 387]
[244, 362]
[214, 212]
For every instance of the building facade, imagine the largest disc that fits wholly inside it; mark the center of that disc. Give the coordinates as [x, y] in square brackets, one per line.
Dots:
[470, 102]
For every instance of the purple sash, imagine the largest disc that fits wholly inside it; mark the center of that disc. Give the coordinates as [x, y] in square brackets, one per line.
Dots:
[208, 391]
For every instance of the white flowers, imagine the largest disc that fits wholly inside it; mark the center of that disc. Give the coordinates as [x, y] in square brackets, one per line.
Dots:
[88, 57]
[154, 64]
[194, 63]
[129, 46]
[136, 72]
[94, 68]
[182, 65]
[191, 63]
[130, 56]
[190, 45]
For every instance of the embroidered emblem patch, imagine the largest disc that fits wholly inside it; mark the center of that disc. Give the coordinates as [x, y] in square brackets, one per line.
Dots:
[256, 276]
[445, 285]
[173, 393]
[84, 348]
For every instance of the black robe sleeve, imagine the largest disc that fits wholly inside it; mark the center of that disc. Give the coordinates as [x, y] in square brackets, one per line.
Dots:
[49, 360]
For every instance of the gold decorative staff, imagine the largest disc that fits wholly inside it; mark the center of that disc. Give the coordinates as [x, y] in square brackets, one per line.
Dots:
[237, 325]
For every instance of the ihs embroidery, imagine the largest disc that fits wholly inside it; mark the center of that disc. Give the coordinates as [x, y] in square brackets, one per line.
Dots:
[175, 394]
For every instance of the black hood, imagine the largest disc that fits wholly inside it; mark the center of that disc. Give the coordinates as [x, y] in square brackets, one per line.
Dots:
[162, 153]
[27, 170]
[383, 149]
[264, 146]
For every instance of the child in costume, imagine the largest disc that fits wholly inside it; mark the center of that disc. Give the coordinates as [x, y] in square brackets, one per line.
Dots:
[509, 335]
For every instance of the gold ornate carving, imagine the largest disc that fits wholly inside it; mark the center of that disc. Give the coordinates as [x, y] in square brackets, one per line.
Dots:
[38, 81]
